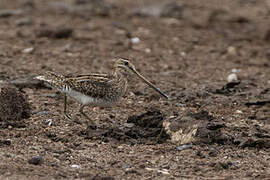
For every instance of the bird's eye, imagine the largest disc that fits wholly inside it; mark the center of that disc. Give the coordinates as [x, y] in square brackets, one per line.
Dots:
[125, 63]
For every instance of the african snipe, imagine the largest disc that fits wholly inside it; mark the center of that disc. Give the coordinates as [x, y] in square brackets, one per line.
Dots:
[99, 90]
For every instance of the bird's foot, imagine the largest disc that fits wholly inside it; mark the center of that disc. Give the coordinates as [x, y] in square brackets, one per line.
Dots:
[68, 116]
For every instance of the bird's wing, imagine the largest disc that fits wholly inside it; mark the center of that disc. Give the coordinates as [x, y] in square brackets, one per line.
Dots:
[90, 77]
[94, 85]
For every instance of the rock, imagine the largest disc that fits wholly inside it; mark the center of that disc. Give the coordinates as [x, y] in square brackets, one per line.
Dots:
[75, 166]
[135, 40]
[28, 50]
[9, 12]
[36, 160]
[234, 70]
[47, 122]
[84, 9]
[232, 78]
[24, 22]
[170, 9]
[55, 32]
[231, 50]
[5, 142]
[185, 146]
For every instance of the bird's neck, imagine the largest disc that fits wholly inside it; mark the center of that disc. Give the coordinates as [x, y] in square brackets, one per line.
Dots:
[120, 74]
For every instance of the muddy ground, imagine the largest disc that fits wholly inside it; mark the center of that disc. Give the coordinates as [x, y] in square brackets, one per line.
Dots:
[187, 48]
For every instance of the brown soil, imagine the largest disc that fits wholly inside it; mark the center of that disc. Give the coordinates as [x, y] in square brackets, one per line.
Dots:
[187, 48]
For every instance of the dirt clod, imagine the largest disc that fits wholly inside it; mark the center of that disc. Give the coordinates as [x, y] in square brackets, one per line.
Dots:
[13, 107]
[36, 160]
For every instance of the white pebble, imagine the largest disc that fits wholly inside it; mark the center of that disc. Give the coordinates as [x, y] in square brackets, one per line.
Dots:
[232, 50]
[75, 166]
[28, 50]
[183, 54]
[147, 50]
[239, 112]
[234, 70]
[135, 40]
[232, 77]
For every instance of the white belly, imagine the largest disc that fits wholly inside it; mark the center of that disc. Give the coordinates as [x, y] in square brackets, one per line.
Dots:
[86, 100]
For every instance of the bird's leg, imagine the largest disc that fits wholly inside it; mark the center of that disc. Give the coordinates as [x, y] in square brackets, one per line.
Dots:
[90, 123]
[65, 108]
[158, 138]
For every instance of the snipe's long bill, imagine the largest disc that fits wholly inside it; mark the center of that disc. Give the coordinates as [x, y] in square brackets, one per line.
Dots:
[100, 90]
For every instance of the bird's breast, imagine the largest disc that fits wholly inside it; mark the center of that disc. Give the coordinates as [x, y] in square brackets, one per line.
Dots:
[88, 100]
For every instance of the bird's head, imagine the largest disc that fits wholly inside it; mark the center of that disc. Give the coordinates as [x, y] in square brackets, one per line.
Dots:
[127, 68]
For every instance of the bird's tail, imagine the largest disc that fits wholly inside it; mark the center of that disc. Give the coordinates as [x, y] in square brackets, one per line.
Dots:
[52, 79]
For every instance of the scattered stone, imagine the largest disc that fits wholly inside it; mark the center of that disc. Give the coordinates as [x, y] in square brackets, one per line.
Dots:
[13, 107]
[47, 122]
[28, 50]
[5, 142]
[40, 113]
[163, 171]
[75, 166]
[239, 112]
[9, 12]
[36, 160]
[24, 22]
[232, 78]
[185, 146]
[234, 70]
[231, 50]
[170, 9]
[84, 10]
[135, 40]
[173, 10]
[129, 125]
[55, 32]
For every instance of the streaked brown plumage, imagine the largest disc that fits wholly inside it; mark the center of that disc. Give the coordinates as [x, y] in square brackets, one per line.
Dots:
[96, 89]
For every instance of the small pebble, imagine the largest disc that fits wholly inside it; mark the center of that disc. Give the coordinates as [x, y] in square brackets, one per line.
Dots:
[43, 113]
[126, 166]
[6, 142]
[183, 54]
[129, 125]
[239, 112]
[75, 166]
[28, 50]
[232, 50]
[24, 21]
[147, 50]
[135, 40]
[47, 122]
[232, 78]
[234, 70]
[36, 160]
[183, 147]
